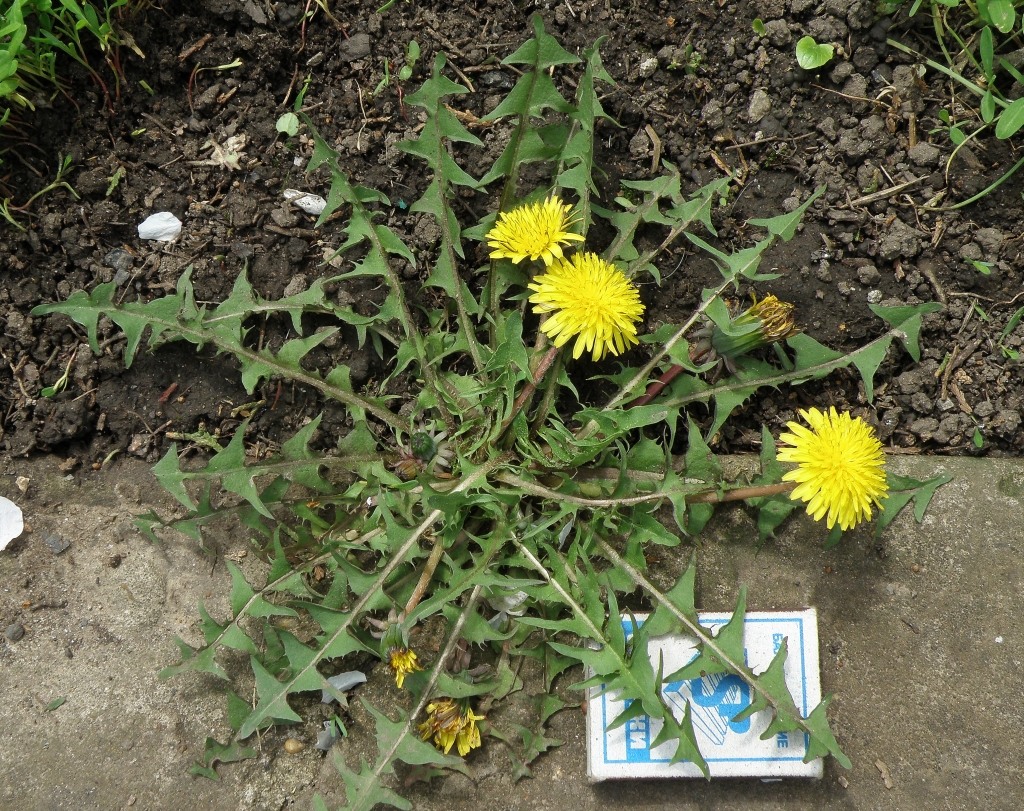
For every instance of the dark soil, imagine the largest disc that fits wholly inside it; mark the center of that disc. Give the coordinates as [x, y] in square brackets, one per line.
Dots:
[695, 86]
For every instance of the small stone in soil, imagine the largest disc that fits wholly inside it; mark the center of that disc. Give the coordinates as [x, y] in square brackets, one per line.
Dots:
[56, 544]
[14, 631]
[119, 260]
[355, 47]
[760, 106]
[923, 154]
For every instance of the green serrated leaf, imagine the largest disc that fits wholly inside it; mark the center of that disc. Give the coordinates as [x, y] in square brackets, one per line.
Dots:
[200, 661]
[906, 320]
[677, 600]
[273, 704]
[363, 789]
[681, 733]
[215, 752]
[177, 317]
[785, 225]
[772, 682]
[903, 490]
[771, 510]
[822, 742]
[727, 653]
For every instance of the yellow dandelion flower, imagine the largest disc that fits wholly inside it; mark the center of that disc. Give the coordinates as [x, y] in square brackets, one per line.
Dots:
[534, 231]
[840, 467]
[591, 299]
[449, 725]
[468, 737]
[402, 662]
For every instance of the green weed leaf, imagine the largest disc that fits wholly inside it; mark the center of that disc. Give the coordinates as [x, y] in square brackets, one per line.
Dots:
[810, 55]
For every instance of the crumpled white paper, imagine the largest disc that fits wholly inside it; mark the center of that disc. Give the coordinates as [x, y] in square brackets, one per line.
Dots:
[162, 227]
[310, 203]
[12, 522]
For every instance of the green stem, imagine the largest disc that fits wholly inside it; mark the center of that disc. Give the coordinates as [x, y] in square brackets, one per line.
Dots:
[802, 374]
[550, 391]
[987, 190]
[952, 74]
[645, 371]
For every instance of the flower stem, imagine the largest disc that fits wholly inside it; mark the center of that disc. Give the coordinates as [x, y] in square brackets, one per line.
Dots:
[529, 388]
[550, 390]
[740, 493]
[657, 386]
[425, 577]
[700, 497]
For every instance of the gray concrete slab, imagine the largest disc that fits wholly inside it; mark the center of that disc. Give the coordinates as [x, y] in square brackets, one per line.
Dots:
[920, 642]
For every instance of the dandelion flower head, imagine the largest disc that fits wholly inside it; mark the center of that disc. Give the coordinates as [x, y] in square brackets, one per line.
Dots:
[840, 467]
[448, 724]
[589, 298]
[402, 662]
[533, 231]
[775, 317]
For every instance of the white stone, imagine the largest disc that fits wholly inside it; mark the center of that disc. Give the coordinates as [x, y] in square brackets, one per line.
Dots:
[12, 522]
[310, 203]
[161, 227]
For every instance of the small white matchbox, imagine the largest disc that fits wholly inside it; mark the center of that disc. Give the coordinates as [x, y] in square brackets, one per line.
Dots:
[731, 748]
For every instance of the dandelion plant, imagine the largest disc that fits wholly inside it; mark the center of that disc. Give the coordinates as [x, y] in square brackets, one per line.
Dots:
[533, 437]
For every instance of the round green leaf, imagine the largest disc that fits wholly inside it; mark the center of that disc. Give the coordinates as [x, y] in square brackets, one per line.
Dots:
[288, 124]
[810, 55]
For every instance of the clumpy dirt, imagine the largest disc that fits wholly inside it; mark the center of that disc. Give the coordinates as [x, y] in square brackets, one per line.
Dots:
[695, 86]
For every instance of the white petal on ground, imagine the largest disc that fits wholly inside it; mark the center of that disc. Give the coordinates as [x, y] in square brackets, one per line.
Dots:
[310, 203]
[12, 522]
[162, 227]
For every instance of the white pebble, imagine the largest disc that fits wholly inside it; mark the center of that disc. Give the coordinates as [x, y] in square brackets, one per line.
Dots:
[310, 203]
[162, 227]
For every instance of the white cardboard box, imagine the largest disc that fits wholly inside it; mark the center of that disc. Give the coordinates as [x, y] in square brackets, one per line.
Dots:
[731, 749]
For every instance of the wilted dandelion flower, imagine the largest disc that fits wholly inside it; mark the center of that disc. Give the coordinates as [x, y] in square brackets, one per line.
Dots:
[448, 724]
[776, 317]
[533, 231]
[469, 736]
[840, 467]
[591, 299]
[402, 662]
[763, 323]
